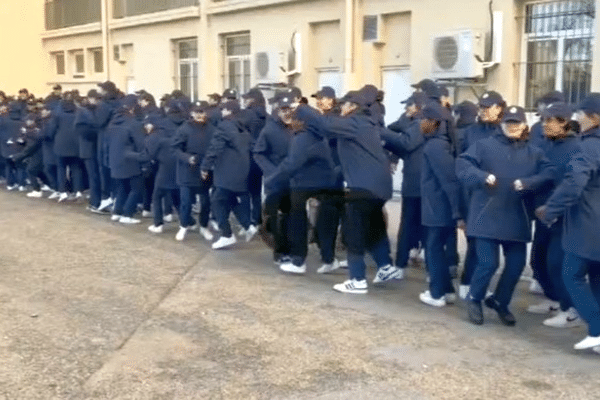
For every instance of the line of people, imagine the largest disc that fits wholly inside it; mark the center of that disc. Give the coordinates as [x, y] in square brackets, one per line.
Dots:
[476, 168]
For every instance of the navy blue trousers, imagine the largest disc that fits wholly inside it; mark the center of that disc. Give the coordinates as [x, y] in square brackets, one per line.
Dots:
[277, 211]
[129, 194]
[488, 255]
[75, 167]
[50, 172]
[162, 203]
[365, 231]
[547, 258]
[255, 191]
[585, 296]
[93, 173]
[410, 232]
[188, 198]
[437, 261]
[223, 202]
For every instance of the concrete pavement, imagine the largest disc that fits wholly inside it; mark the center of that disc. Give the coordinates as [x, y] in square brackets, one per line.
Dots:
[91, 309]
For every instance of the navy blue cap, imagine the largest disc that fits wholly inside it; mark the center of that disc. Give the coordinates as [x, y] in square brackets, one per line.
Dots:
[326, 91]
[514, 114]
[293, 92]
[417, 98]
[491, 98]
[444, 91]
[591, 104]
[355, 97]
[433, 110]
[465, 109]
[231, 105]
[552, 97]
[285, 101]
[429, 87]
[558, 110]
[254, 94]
[369, 93]
[229, 94]
[201, 107]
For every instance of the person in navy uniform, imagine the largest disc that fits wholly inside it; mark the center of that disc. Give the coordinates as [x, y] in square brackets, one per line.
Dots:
[441, 210]
[403, 138]
[190, 143]
[228, 156]
[87, 133]
[562, 145]
[577, 200]
[126, 140]
[48, 156]
[106, 106]
[502, 172]
[367, 174]
[10, 129]
[31, 155]
[270, 149]
[309, 169]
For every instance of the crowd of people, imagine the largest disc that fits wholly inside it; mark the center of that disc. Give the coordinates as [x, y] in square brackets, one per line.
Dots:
[477, 168]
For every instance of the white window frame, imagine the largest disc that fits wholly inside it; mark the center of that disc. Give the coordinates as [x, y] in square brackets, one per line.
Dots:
[560, 37]
[92, 60]
[73, 54]
[54, 56]
[193, 64]
[242, 59]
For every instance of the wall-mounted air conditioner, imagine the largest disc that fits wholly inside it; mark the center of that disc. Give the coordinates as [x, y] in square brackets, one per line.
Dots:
[456, 54]
[373, 29]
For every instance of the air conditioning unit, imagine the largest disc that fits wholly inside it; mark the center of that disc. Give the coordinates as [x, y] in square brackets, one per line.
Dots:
[456, 55]
[372, 29]
[267, 66]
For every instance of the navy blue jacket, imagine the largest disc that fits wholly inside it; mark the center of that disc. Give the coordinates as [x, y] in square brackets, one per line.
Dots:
[228, 156]
[87, 133]
[476, 132]
[537, 137]
[578, 199]
[10, 129]
[62, 130]
[125, 138]
[158, 149]
[500, 212]
[191, 139]
[559, 153]
[404, 139]
[254, 118]
[307, 166]
[441, 195]
[103, 113]
[31, 152]
[364, 163]
[47, 141]
[272, 145]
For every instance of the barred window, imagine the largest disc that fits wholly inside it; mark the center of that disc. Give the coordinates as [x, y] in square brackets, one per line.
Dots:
[558, 49]
[187, 71]
[237, 63]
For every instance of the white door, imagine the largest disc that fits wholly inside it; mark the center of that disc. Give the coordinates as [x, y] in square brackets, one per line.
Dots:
[396, 85]
[333, 79]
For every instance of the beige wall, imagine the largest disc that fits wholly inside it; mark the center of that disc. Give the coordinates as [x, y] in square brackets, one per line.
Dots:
[21, 24]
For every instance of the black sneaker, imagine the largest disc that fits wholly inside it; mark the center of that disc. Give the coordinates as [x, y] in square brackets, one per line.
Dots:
[475, 312]
[505, 316]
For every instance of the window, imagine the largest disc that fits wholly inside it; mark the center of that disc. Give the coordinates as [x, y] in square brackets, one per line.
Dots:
[59, 60]
[77, 63]
[237, 63]
[127, 8]
[187, 67]
[558, 49]
[96, 60]
[65, 13]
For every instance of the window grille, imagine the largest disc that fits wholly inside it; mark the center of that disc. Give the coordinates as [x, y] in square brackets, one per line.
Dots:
[237, 63]
[65, 13]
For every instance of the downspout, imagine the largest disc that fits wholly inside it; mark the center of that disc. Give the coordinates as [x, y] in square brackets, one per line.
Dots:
[349, 45]
[105, 37]
[203, 44]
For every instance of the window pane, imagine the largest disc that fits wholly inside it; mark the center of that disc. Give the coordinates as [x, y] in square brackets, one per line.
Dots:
[184, 78]
[246, 75]
[559, 16]
[188, 49]
[238, 45]
[235, 75]
[79, 64]
[60, 64]
[541, 70]
[98, 61]
[195, 81]
[577, 69]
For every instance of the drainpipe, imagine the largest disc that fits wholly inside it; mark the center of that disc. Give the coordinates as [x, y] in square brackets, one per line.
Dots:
[105, 37]
[203, 52]
[349, 45]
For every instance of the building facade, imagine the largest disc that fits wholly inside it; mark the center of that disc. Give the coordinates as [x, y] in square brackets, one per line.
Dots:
[520, 48]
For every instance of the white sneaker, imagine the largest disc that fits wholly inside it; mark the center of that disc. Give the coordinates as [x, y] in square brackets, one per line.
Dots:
[62, 197]
[146, 214]
[413, 253]
[21, 188]
[168, 218]
[104, 204]
[589, 341]
[596, 349]
[352, 286]
[115, 217]
[545, 307]
[206, 234]
[129, 220]
[344, 264]
[224, 242]
[463, 291]
[155, 229]
[213, 225]
[426, 298]
[294, 269]
[46, 188]
[535, 287]
[35, 194]
[53, 195]
[387, 273]
[181, 234]
[78, 195]
[250, 232]
[327, 268]
[11, 188]
[450, 298]
[565, 319]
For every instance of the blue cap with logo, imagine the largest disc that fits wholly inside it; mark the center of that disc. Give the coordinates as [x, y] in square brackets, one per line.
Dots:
[514, 114]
